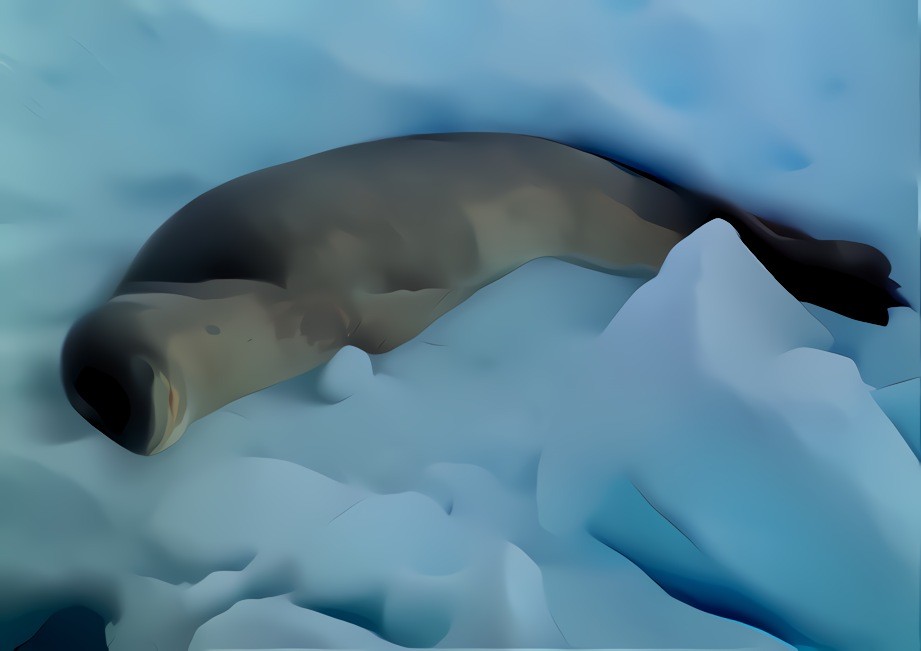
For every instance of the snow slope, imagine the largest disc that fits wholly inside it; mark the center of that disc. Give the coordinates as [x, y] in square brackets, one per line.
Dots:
[703, 463]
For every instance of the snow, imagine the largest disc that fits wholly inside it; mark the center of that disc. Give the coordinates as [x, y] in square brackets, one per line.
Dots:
[564, 459]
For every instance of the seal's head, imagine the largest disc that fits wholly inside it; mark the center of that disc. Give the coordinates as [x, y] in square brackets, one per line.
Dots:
[116, 380]
[145, 365]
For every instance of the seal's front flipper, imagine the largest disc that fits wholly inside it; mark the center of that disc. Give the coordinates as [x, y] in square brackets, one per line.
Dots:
[386, 321]
[849, 278]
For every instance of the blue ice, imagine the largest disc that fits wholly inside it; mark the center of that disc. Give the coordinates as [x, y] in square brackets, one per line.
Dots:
[568, 459]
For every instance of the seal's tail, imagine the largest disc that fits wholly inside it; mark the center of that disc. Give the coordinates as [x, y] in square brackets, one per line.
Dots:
[849, 278]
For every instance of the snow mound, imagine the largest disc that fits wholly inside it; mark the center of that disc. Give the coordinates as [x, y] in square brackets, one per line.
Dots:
[531, 469]
[344, 375]
[746, 470]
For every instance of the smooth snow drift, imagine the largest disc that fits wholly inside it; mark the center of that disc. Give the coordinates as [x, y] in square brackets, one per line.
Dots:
[657, 478]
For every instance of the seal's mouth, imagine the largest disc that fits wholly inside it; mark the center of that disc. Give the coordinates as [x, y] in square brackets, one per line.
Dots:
[172, 402]
[170, 426]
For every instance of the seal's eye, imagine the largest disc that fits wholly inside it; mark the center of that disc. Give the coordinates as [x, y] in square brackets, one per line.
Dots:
[105, 397]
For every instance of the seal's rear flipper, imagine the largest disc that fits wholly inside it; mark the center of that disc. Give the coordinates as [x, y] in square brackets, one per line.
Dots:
[849, 278]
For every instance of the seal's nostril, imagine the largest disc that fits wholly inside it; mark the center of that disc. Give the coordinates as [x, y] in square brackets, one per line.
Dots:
[106, 397]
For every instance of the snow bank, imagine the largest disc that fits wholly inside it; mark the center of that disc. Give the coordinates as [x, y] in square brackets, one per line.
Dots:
[531, 471]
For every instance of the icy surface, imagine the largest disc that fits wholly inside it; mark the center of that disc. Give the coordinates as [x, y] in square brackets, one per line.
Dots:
[349, 371]
[900, 402]
[704, 468]
[758, 493]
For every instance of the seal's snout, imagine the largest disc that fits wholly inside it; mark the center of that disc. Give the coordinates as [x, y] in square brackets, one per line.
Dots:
[110, 385]
[106, 404]
[116, 400]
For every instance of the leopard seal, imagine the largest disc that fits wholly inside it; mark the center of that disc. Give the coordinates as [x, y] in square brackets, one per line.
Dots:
[268, 275]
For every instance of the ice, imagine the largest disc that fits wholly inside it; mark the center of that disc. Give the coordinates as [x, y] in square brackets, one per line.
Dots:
[712, 466]
[277, 623]
[770, 485]
[900, 402]
[345, 374]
